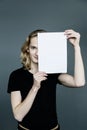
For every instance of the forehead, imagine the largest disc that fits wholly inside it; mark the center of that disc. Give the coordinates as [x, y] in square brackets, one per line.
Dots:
[34, 40]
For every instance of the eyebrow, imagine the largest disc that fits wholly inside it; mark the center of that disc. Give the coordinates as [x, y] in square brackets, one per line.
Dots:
[33, 46]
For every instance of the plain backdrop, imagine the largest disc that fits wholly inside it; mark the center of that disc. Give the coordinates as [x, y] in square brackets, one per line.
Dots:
[17, 19]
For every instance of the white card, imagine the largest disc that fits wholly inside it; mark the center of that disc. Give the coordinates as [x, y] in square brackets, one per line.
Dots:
[52, 52]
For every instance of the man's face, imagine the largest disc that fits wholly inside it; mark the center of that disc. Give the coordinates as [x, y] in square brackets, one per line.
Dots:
[33, 50]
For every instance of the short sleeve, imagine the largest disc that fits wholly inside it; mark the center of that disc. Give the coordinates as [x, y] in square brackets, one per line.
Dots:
[58, 82]
[13, 83]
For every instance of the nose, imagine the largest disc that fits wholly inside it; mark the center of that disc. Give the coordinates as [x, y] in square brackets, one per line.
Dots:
[37, 52]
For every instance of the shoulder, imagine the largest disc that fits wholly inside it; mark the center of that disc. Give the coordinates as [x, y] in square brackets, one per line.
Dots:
[16, 72]
[20, 74]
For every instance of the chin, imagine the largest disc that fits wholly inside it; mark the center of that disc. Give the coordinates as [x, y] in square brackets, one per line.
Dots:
[36, 62]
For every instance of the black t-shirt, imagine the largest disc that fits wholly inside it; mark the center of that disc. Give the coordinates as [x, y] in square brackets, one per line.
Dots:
[43, 111]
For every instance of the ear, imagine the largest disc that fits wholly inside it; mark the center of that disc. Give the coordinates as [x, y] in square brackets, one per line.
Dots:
[28, 50]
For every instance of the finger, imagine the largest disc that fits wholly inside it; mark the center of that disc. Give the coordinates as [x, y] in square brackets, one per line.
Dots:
[73, 35]
[69, 31]
[43, 78]
[41, 74]
[40, 77]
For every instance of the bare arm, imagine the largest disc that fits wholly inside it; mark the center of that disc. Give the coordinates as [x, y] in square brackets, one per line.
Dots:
[78, 79]
[20, 109]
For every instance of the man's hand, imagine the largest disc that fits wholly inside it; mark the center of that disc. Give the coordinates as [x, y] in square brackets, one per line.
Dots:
[73, 37]
[38, 77]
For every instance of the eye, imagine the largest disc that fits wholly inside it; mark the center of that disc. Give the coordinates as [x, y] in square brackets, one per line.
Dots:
[32, 47]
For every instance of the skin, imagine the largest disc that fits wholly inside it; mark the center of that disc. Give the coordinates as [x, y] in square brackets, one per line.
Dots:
[21, 108]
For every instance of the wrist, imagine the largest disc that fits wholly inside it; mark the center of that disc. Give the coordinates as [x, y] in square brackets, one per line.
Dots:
[77, 47]
[35, 88]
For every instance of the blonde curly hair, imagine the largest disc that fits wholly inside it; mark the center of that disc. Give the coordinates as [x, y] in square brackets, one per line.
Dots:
[25, 58]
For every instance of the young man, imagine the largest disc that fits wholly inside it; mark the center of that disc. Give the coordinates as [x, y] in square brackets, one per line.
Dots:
[33, 93]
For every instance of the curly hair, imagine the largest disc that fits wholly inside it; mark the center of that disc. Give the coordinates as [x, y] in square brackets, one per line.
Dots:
[25, 58]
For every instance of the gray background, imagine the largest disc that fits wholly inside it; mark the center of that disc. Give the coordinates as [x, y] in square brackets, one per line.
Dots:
[17, 19]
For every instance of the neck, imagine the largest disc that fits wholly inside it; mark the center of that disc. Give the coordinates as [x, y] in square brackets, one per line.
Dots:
[34, 68]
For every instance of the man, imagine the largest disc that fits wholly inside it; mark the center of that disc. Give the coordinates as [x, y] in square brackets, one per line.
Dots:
[33, 93]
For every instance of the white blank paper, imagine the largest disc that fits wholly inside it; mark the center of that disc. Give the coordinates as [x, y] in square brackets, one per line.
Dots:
[52, 52]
